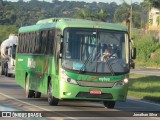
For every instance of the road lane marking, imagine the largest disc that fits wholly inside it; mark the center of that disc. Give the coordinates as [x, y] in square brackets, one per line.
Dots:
[35, 106]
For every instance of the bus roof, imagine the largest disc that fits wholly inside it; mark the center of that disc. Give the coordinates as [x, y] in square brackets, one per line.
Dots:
[62, 23]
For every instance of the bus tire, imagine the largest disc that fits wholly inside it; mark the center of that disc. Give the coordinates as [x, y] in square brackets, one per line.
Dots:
[37, 94]
[51, 99]
[28, 93]
[109, 104]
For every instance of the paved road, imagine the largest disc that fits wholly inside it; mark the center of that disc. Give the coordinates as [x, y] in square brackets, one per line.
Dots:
[155, 72]
[12, 99]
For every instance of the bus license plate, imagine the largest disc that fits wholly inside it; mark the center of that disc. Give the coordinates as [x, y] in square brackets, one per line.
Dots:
[95, 92]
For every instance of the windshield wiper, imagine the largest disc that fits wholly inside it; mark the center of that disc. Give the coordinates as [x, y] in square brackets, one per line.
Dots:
[84, 64]
[109, 64]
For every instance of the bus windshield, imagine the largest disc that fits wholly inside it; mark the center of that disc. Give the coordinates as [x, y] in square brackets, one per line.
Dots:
[96, 51]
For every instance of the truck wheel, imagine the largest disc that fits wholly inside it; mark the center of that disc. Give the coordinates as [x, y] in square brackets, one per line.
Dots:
[29, 93]
[6, 71]
[1, 71]
[109, 104]
[9, 74]
[51, 99]
[2, 68]
[37, 94]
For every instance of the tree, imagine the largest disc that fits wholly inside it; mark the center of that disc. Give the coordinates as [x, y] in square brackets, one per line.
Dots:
[86, 14]
[101, 15]
[121, 12]
[83, 14]
[155, 3]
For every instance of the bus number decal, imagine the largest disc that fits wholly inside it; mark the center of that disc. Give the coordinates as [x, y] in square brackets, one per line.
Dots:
[31, 63]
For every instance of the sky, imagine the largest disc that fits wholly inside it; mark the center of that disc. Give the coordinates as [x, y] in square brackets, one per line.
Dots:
[117, 1]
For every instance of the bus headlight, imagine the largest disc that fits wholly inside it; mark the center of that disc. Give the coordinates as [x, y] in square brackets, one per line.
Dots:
[65, 78]
[122, 82]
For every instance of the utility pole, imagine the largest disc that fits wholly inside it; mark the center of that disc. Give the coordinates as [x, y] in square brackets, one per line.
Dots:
[131, 21]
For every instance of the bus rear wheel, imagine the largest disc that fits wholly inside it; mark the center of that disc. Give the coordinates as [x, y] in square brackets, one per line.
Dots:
[109, 104]
[51, 99]
[28, 93]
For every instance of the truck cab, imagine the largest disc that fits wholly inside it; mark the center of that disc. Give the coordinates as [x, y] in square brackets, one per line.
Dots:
[8, 53]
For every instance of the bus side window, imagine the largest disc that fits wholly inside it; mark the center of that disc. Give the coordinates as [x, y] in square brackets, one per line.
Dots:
[44, 42]
[20, 47]
[57, 48]
[23, 43]
[51, 42]
[37, 42]
[33, 42]
[26, 48]
[40, 43]
[30, 42]
[19, 43]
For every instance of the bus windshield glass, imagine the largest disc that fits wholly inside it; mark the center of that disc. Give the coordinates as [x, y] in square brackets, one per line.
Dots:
[95, 51]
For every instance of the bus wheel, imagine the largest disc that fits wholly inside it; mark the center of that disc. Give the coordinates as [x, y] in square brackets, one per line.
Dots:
[51, 99]
[109, 104]
[29, 93]
[37, 94]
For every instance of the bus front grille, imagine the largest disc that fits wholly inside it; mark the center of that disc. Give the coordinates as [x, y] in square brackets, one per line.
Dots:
[95, 84]
[88, 95]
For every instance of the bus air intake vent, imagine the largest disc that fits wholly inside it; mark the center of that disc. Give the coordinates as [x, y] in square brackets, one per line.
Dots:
[95, 84]
[88, 95]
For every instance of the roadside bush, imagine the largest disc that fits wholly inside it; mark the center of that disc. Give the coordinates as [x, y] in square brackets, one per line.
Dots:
[156, 59]
[146, 45]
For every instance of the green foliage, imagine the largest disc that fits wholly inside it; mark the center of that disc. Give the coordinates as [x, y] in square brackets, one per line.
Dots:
[121, 12]
[146, 46]
[144, 87]
[27, 13]
[155, 3]
[6, 30]
[83, 14]
[157, 54]
[86, 14]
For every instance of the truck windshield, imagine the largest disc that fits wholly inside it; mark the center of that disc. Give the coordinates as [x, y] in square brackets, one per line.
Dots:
[97, 51]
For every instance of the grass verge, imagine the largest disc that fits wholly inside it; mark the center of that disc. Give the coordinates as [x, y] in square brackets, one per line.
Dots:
[145, 87]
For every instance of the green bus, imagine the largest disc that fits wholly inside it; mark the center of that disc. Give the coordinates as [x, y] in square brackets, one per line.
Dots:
[67, 59]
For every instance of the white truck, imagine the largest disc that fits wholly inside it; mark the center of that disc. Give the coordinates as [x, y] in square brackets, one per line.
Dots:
[7, 56]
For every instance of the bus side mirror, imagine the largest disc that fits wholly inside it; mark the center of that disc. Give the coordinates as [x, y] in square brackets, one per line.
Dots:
[61, 47]
[61, 43]
[133, 53]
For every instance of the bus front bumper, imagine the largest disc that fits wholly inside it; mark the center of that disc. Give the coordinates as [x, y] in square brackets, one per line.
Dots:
[72, 91]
